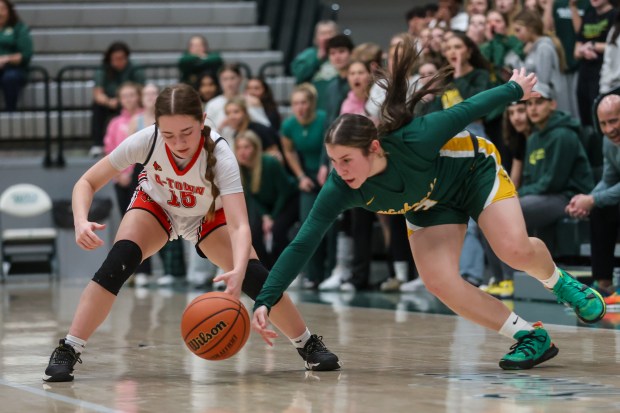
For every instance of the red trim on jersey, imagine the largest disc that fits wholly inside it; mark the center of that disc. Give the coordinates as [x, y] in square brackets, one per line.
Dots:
[190, 164]
[207, 227]
[141, 200]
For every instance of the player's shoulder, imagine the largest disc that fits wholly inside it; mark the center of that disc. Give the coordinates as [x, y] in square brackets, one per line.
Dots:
[145, 136]
[219, 140]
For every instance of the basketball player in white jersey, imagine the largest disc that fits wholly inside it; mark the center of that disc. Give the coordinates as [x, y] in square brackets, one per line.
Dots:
[190, 188]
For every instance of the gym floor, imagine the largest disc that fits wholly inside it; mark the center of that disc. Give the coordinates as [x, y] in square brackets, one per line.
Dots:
[401, 352]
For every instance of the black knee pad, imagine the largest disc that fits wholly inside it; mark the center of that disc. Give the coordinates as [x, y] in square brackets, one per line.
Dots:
[255, 276]
[121, 262]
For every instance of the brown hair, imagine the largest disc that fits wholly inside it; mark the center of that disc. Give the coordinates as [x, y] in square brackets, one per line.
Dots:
[476, 58]
[534, 22]
[352, 130]
[397, 109]
[509, 134]
[182, 99]
[13, 18]
[257, 164]
[267, 99]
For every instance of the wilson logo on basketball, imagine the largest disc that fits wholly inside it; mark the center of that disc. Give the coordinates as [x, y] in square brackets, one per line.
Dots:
[203, 338]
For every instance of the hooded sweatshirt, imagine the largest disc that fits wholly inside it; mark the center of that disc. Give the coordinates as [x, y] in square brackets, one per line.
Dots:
[543, 60]
[555, 160]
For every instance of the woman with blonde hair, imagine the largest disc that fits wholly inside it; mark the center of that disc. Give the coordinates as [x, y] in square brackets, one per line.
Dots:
[302, 142]
[272, 195]
[238, 120]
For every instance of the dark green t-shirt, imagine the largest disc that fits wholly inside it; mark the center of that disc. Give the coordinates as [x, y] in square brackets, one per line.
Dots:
[564, 30]
[416, 178]
[307, 139]
[111, 80]
[555, 160]
[276, 187]
[16, 39]
[192, 66]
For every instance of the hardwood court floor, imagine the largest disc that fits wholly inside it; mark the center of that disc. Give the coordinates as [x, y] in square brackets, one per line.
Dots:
[395, 360]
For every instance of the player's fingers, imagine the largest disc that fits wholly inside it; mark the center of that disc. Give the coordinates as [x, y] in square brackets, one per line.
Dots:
[98, 227]
[269, 336]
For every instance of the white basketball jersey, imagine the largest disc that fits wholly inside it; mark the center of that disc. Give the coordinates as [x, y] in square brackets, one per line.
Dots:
[186, 192]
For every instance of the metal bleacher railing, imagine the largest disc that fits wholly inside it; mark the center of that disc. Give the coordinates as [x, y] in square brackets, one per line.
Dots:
[31, 123]
[56, 113]
[74, 98]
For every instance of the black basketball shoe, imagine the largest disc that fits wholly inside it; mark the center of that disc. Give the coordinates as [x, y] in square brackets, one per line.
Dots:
[317, 356]
[62, 360]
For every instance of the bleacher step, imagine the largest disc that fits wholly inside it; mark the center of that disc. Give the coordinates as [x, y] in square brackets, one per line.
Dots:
[89, 14]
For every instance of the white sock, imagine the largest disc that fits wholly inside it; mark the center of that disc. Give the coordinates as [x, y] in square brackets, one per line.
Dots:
[401, 269]
[513, 325]
[553, 279]
[77, 343]
[301, 341]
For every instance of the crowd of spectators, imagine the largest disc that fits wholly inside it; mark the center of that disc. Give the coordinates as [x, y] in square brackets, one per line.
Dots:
[572, 46]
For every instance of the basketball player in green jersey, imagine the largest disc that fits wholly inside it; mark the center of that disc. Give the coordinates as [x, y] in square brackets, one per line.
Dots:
[438, 176]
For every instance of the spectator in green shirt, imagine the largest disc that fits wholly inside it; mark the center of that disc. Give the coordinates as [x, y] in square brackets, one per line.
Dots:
[15, 54]
[115, 70]
[272, 195]
[302, 142]
[198, 59]
[312, 64]
[556, 166]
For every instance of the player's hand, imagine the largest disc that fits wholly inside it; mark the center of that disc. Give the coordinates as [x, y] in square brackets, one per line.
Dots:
[526, 82]
[85, 236]
[306, 184]
[321, 176]
[233, 280]
[267, 224]
[113, 103]
[580, 206]
[260, 324]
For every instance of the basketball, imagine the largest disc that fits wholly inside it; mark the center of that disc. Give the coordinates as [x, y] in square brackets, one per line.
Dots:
[215, 326]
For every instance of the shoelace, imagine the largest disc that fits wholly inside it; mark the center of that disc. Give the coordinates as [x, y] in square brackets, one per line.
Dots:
[63, 355]
[526, 344]
[580, 297]
[315, 344]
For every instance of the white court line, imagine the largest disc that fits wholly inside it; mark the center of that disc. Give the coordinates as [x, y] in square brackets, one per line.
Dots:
[59, 397]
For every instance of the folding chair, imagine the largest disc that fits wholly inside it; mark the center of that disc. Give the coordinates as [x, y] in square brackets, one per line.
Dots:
[26, 234]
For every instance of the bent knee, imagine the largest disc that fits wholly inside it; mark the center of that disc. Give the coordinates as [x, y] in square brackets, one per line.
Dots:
[517, 255]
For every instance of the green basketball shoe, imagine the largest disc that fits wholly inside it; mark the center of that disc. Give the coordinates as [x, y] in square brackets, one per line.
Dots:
[587, 302]
[532, 348]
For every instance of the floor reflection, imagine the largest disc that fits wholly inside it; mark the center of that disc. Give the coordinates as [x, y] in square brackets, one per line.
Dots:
[401, 352]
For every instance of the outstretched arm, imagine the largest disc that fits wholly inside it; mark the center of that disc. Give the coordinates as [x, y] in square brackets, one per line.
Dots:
[455, 119]
[240, 239]
[332, 200]
[437, 128]
[83, 192]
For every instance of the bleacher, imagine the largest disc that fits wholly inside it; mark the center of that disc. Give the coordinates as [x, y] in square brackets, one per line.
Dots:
[70, 38]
